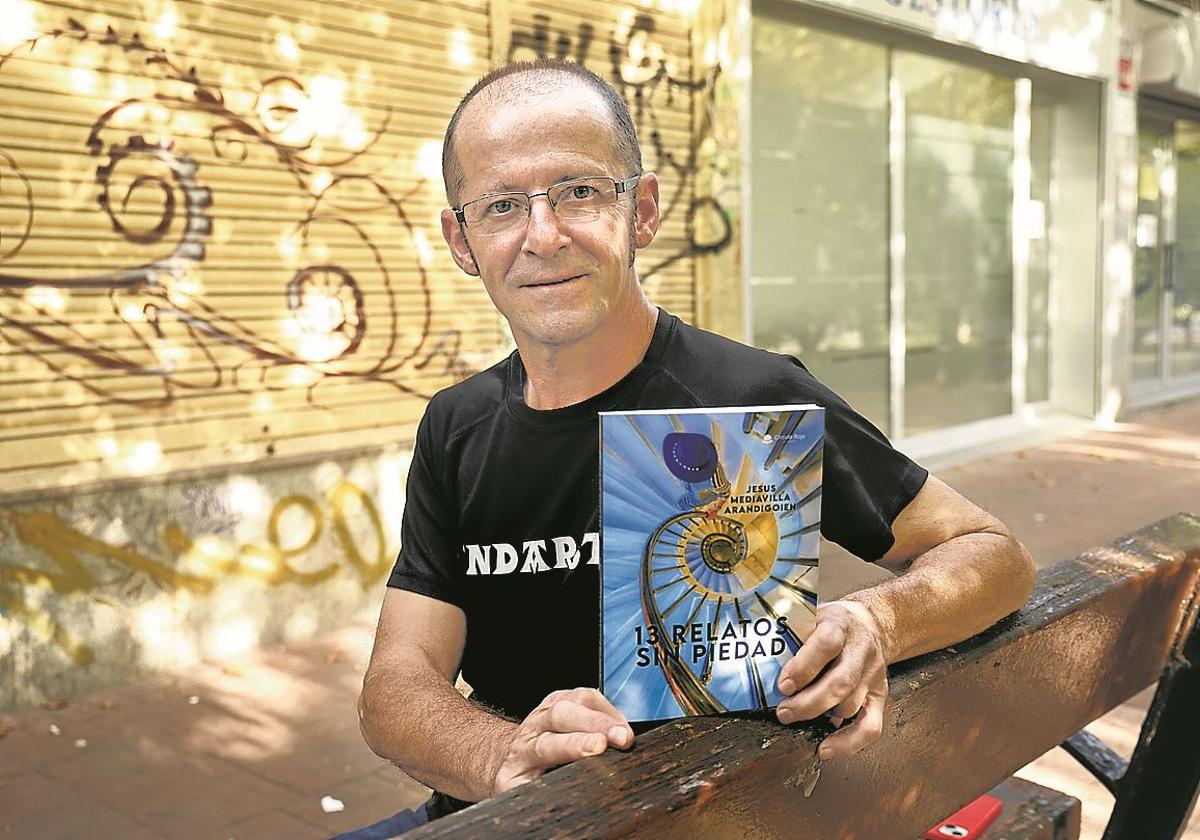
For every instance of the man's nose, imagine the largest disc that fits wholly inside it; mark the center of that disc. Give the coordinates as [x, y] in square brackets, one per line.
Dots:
[544, 235]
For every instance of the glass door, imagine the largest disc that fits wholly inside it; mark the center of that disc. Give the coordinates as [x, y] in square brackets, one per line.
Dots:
[1153, 242]
[1166, 292]
[819, 190]
[958, 260]
[1183, 347]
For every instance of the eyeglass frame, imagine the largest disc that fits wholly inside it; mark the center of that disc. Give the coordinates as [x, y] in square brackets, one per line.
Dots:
[621, 186]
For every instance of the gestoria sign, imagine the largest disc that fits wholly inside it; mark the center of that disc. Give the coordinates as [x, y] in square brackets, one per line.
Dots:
[1070, 36]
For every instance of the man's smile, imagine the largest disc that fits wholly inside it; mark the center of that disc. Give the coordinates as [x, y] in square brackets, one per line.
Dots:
[557, 281]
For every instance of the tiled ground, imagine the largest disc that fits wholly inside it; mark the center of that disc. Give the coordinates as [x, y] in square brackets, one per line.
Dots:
[267, 737]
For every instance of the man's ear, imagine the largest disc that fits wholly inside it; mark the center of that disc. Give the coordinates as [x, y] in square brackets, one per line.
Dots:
[647, 219]
[452, 232]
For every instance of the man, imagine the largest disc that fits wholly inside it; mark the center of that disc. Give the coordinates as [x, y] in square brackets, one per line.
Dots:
[550, 203]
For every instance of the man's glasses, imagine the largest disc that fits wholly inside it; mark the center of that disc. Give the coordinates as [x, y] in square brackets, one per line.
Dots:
[579, 200]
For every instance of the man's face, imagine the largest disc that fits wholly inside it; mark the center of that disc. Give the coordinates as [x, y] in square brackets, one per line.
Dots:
[555, 282]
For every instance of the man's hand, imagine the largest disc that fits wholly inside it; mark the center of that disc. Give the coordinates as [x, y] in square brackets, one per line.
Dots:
[848, 645]
[566, 726]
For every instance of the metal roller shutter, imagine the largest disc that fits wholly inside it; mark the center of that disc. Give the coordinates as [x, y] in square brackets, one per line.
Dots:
[218, 221]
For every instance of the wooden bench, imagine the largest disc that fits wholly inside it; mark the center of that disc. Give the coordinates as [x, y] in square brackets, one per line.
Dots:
[1098, 629]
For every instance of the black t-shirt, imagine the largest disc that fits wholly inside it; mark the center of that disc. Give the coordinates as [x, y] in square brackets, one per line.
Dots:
[498, 486]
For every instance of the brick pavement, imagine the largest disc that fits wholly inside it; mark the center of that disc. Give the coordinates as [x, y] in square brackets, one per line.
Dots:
[244, 749]
[247, 749]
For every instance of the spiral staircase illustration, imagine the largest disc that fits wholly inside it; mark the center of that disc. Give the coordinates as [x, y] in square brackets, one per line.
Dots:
[721, 552]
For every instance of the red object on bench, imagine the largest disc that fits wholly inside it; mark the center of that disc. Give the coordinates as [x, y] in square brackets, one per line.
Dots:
[968, 822]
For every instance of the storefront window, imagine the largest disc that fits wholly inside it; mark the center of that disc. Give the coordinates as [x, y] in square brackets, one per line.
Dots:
[1185, 303]
[879, 174]
[958, 242]
[1166, 292]
[819, 191]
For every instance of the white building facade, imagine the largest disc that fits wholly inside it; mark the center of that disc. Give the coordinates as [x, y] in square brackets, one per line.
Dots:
[975, 219]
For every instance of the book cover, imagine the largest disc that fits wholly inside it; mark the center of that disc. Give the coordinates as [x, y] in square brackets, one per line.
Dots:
[710, 525]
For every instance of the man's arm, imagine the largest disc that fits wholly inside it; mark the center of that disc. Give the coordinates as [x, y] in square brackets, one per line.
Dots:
[408, 698]
[411, 714]
[960, 570]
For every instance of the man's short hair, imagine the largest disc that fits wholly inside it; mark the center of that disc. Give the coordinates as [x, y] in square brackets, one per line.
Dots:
[539, 76]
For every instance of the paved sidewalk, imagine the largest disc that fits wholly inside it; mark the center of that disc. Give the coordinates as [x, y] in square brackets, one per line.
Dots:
[243, 749]
[248, 749]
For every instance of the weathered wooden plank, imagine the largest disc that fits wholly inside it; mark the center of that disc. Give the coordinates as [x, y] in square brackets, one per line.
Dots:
[1098, 629]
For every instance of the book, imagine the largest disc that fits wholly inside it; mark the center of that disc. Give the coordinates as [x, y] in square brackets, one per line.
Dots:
[710, 524]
